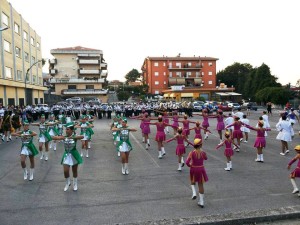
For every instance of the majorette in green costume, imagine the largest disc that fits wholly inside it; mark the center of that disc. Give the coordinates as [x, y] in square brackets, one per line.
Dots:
[52, 130]
[124, 142]
[44, 132]
[86, 130]
[70, 149]
[26, 139]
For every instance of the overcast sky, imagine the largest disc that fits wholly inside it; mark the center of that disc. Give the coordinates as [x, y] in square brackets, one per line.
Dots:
[127, 31]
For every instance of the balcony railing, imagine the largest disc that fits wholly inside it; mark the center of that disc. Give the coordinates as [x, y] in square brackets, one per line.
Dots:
[103, 66]
[191, 81]
[84, 92]
[52, 61]
[89, 61]
[53, 71]
[89, 72]
[75, 80]
[103, 73]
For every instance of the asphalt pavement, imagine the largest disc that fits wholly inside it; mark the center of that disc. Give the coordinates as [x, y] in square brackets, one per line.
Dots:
[154, 192]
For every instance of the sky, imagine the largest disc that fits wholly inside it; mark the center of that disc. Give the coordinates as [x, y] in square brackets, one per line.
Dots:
[128, 31]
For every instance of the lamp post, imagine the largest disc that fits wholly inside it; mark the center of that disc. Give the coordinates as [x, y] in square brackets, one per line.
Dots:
[25, 82]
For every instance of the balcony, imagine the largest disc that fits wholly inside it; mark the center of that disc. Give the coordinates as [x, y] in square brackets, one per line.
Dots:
[186, 67]
[103, 66]
[89, 72]
[190, 81]
[52, 61]
[75, 80]
[53, 71]
[89, 62]
[103, 74]
[84, 92]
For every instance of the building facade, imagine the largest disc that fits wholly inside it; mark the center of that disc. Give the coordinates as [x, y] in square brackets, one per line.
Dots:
[78, 72]
[181, 78]
[21, 79]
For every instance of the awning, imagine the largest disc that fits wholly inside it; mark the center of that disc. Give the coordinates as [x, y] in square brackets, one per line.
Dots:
[233, 93]
[189, 95]
[198, 80]
[180, 81]
[166, 95]
[172, 95]
[222, 93]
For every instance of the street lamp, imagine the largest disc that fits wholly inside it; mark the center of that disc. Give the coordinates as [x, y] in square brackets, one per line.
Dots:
[27, 72]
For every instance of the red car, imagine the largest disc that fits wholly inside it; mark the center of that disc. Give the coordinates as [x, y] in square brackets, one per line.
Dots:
[224, 107]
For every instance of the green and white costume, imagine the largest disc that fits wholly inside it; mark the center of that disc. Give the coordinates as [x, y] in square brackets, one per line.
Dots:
[124, 144]
[86, 131]
[44, 135]
[62, 121]
[71, 156]
[52, 128]
[28, 148]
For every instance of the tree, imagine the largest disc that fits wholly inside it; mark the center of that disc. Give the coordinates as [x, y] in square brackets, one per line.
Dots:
[123, 95]
[132, 76]
[277, 95]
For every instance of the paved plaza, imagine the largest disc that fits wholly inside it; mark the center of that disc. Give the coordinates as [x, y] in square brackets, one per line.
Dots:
[154, 192]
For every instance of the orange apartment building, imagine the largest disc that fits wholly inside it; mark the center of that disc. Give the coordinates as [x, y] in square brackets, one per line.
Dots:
[182, 78]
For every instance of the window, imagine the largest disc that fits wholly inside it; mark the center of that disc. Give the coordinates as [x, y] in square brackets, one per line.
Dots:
[170, 65]
[156, 74]
[25, 35]
[38, 45]
[164, 64]
[19, 75]
[6, 46]
[18, 52]
[197, 74]
[71, 87]
[202, 73]
[189, 64]
[170, 74]
[26, 56]
[210, 82]
[178, 65]
[164, 73]
[178, 74]
[8, 72]
[210, 64]
[17, 28]
[27, 78]
[165, 82]
[156, 92]
[210, 73]
[156, 82]
[34, 79]
[89, 86]
[32, 60]
[188, 74]
[32, 41]
[156, 64]
[5, 19]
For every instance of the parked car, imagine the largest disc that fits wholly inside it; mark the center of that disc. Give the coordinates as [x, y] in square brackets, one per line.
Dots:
[252, 106]
[74, 99]
[224, 107]
[234, 106]
[197, 106]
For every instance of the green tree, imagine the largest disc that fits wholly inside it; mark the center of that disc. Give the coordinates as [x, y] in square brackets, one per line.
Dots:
[132, 76]
[123, 95]
[277, 95]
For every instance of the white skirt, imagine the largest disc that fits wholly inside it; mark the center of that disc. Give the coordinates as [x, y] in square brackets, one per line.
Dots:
[51, 132]
[42, 139]
[284, 136]
[69, 160]
[245, 129]
[85, 137]
[25, 151]
[124, 147]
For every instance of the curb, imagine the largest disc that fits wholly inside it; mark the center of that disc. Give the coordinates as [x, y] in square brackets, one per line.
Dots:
[239, 218]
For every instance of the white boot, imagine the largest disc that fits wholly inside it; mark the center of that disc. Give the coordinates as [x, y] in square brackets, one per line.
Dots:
[261, 157]
[228, 167]
[230, 164]
[81, 153]
[75, 188]
[182, 162]
[89, 144]
[179, 167]
[68, 183]
[143, 140]
[257, 158]
[54, 146]
[206, 136]
[119, 153]
[25, 173]
[237, 149]
[87, 154]
[148, 142]
[3, 138]
[163, 151]
[31, 171]
[146, 146]
[201, 200]
[50, 144]
[123, 168]
[296, 190]
[46, 156]
[42, 155]
[126, 168]
[194, 196]
[159, 155]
